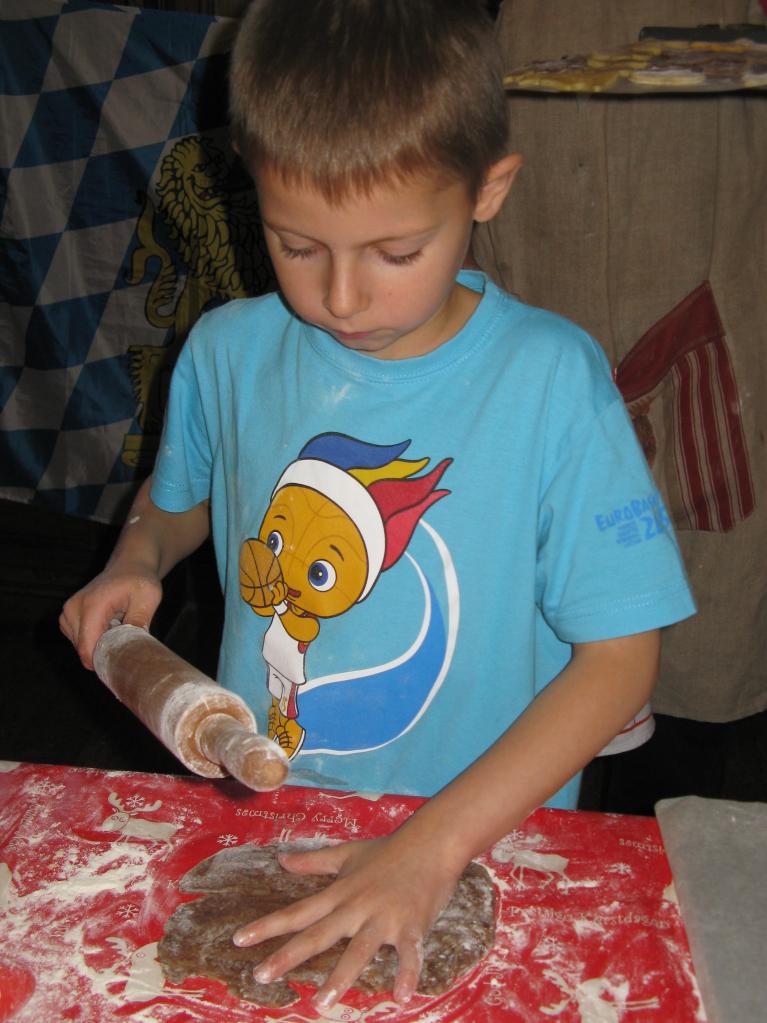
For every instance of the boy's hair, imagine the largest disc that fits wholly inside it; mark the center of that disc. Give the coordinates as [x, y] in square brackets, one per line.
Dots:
[343, 95]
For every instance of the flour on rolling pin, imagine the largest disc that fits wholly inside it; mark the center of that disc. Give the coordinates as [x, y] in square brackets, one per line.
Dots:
[209, 729]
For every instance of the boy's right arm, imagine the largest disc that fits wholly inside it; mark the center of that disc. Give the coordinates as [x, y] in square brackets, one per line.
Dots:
[130, 587]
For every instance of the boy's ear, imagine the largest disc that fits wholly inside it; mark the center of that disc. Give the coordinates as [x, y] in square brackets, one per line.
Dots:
[495, 187]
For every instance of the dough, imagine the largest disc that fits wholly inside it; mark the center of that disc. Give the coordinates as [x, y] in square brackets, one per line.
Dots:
[246, 882]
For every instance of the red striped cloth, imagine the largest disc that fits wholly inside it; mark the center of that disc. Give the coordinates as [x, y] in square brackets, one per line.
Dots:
[679, 385]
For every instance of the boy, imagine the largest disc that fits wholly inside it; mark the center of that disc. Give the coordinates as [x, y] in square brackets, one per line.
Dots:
[474, 631]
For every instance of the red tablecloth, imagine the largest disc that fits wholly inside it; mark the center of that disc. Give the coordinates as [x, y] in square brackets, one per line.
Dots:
[588, 928]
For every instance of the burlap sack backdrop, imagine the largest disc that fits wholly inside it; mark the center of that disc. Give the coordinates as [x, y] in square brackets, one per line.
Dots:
[624, 209]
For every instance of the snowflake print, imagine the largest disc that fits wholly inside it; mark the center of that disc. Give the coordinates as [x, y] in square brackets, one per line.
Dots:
[514, 837]
[135, 802]
[621, 868]
[45, 788]
[226, 840]
[128, 912]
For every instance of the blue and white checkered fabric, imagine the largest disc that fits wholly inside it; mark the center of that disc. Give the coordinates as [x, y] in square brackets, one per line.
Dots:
[117, 184]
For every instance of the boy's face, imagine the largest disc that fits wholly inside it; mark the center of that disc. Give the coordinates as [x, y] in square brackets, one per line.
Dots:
[377, 272]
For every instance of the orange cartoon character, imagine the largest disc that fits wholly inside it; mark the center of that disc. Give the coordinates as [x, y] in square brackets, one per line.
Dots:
[340, 514]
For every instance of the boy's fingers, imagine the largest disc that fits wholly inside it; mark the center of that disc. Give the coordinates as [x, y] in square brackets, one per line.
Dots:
[65, 626]
[141, 617]
[88, 636]
[358, 954]
[313, 861]
[302, 946]
[141, 606]
[283, 921]
[410, 954]
[71, 625]
[131, 597]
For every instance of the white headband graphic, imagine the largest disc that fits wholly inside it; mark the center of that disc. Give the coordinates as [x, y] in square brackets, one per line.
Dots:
[351, 497]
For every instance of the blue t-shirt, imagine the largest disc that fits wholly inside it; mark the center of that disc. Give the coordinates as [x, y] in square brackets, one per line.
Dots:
[440, 529]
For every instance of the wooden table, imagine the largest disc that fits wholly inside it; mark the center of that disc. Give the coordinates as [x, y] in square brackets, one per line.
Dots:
[588, 928]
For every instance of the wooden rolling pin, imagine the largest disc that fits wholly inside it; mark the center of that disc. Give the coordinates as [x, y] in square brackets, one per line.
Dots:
[209, 729]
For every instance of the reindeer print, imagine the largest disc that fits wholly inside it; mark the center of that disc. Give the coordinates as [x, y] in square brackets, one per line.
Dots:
[6, 885]
[142, 973]
[597, 999]
[129, 825]
[550, 865]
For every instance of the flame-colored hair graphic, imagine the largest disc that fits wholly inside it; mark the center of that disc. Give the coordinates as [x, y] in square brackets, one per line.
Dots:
[376, 488]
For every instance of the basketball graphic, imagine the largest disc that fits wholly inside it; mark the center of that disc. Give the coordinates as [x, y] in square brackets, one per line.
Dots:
[261, 582]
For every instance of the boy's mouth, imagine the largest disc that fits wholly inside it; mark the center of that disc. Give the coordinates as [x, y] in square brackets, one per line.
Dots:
[359, 335]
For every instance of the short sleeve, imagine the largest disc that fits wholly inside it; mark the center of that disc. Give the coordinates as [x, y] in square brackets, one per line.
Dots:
[182, 474]
[608, 562]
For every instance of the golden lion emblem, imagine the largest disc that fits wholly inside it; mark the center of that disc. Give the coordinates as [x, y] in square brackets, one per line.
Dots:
[201, 239]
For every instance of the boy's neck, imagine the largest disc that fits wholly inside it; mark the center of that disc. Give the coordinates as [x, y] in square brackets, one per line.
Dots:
[451, 319]
[464, 302]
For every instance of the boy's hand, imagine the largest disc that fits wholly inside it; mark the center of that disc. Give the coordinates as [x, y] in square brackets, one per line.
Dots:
[130, 594]
[389, 891]
[130, 587]
[385, 893]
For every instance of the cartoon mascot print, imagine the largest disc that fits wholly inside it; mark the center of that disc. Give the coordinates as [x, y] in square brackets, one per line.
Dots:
[339, 516]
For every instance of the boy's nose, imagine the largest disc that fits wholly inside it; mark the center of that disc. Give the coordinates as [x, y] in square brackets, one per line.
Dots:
[344, 294]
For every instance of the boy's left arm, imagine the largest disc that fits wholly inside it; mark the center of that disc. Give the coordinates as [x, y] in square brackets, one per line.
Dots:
[390, 890]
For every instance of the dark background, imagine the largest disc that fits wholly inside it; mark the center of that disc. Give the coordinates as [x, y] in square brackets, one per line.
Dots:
[52, 710]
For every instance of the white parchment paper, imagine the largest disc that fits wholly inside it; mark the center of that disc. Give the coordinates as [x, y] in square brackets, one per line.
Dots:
[718, 855]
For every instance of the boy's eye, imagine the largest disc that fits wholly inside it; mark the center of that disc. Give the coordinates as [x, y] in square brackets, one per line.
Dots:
[292, 253]
[405, 260]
